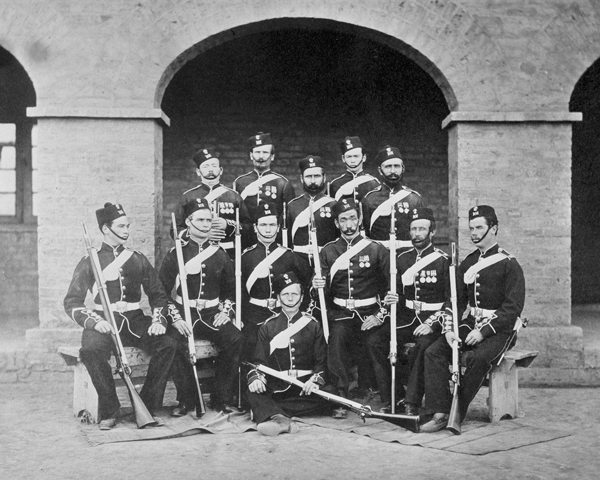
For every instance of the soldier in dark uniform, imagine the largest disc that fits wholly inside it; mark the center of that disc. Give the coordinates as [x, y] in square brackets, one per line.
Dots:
[378, 203]
[223, 201]
[291, 342]
[355, 183]
[423, 287]
[126, 272]
[262, 185]
[355, 275]
[491, 282]
[211, 288]
[298, 212]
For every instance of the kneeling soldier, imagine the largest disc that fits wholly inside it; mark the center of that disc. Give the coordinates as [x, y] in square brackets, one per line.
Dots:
[291, 342]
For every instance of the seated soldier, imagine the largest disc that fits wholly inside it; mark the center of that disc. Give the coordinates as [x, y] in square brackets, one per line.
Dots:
[291, 342]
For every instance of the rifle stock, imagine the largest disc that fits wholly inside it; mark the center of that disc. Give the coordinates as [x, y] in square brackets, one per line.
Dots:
[143, 417]
[454, 419]
[315, 251]
[238, 291]
[200, 408]
[408, 422]
[393, 356]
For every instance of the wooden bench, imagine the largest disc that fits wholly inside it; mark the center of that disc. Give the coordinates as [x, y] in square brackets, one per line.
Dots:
[85, 398]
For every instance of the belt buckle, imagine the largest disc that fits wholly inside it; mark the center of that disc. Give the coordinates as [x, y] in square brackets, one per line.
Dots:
[351, 304]
[418, 306]
[200, 304]
[271, 303]
[478, 312]
[293, 373]
[121, 306]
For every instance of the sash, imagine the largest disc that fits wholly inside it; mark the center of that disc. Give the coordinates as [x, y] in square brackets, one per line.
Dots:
[343, 261]
[252, 189]
[385, 208]
[408, 277]
[282, 339]
[111, 271]
[262, 269]
[302, 220]
[472, 272]
[213, 194]
[348, 188]
[193, 265]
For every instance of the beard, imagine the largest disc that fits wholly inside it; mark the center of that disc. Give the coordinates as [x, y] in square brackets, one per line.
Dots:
[393, 179]
[314, 189]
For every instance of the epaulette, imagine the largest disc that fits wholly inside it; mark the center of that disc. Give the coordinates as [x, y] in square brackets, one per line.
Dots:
[501, 250]
[296, 198]
[405, 252]
[126, 247]
[249, 248]
[376, 189]
[275, 315]
[444, 254]
[338, 178]
[472, 252]
[308, 315]
[411, 190]
[329, 243]
[191, 189]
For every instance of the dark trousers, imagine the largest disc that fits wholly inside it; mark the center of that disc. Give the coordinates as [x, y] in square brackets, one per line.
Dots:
[345, 339]
[378, 346]
[480, 360]
[230, 342]
[95, 352]
[288, 403]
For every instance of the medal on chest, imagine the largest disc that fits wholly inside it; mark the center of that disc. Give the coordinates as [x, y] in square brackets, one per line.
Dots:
[428, 276]
[271, 191]
[363, 261]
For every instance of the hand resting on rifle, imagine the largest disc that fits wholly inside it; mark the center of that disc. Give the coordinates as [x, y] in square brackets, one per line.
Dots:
[217, 232]
[257, 386]
[309, 387]
[390, 298]
[318, 282]
[451, 338]
[103, 327]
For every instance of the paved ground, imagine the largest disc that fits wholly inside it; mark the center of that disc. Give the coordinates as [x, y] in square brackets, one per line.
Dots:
[40, 439]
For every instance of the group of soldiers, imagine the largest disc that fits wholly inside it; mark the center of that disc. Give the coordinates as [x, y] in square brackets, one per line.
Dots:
[315, 294]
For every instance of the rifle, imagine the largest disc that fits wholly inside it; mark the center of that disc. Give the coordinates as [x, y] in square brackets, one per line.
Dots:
[284, 230]
[143, 417]
[362, 220]
[408, 422]
[454, 417]
[520, 323]
[315, 247]
[393, 308]
[200, 408]
[238, 291]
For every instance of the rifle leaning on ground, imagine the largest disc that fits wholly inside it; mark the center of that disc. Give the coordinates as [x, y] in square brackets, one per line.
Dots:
[313, 242]
[454, 417]
[393, 356]
[185, 300]
[238, 291]
[284, 229]
[408, 422]
[143, 417]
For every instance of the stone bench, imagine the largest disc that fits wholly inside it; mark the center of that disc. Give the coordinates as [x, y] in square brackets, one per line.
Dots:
[85, 398]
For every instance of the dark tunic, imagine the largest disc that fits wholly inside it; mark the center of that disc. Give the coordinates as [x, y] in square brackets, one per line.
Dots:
[358, 191]
[278, 191]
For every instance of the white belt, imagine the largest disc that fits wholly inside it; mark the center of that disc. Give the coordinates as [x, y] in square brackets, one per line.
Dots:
[423, 306]
[482, 312]
[399, 243]
[352, 303]
[305, 249]
[227, 245]
[120, 307]
[298, 373]
[199, 303]
[269, 303]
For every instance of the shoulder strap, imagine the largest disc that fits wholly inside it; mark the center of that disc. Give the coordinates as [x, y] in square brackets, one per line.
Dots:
[343, 261]
[192, 266]
[302, 220]
[472, 272]
[348, 188]
[111, 271]
[262, 269]
[385, 208]
[282, 339]
[252, 189]
[408, 277]
[215, 193]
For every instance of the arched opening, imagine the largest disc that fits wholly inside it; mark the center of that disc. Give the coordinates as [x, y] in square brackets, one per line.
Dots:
[585, 228]
[18, 189]
[308, 87]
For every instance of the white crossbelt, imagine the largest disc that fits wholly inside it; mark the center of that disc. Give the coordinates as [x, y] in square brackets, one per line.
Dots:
[120, 307]
[399, 243]
[305, 249]
[198, 303]
[264, 302]
[482, 312]
[423, 306]
[363, 302]
[227, 245]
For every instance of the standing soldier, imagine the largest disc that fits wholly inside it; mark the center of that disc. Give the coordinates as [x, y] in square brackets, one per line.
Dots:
[355, 275]
[313, 199]
[262, 185]
[291, 342]
[126, 272]
[222, 200]
[261, 263]
[424, 287]
[211, 288]
[378, 203]
[355, 183]
[489, 280]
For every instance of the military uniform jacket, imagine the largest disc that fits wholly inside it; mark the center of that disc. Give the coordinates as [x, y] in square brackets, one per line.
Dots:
[124, 283]
[306, 349]
[429, 284]
[208, 280]
[298, 228]
[262, 286]
[277, 190]
[358, 192]
[224, 201]
[377, 222]
[499, 287]
[366, 275]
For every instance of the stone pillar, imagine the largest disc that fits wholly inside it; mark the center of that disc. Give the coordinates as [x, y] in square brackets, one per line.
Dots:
[520, 163]
[88, 157]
